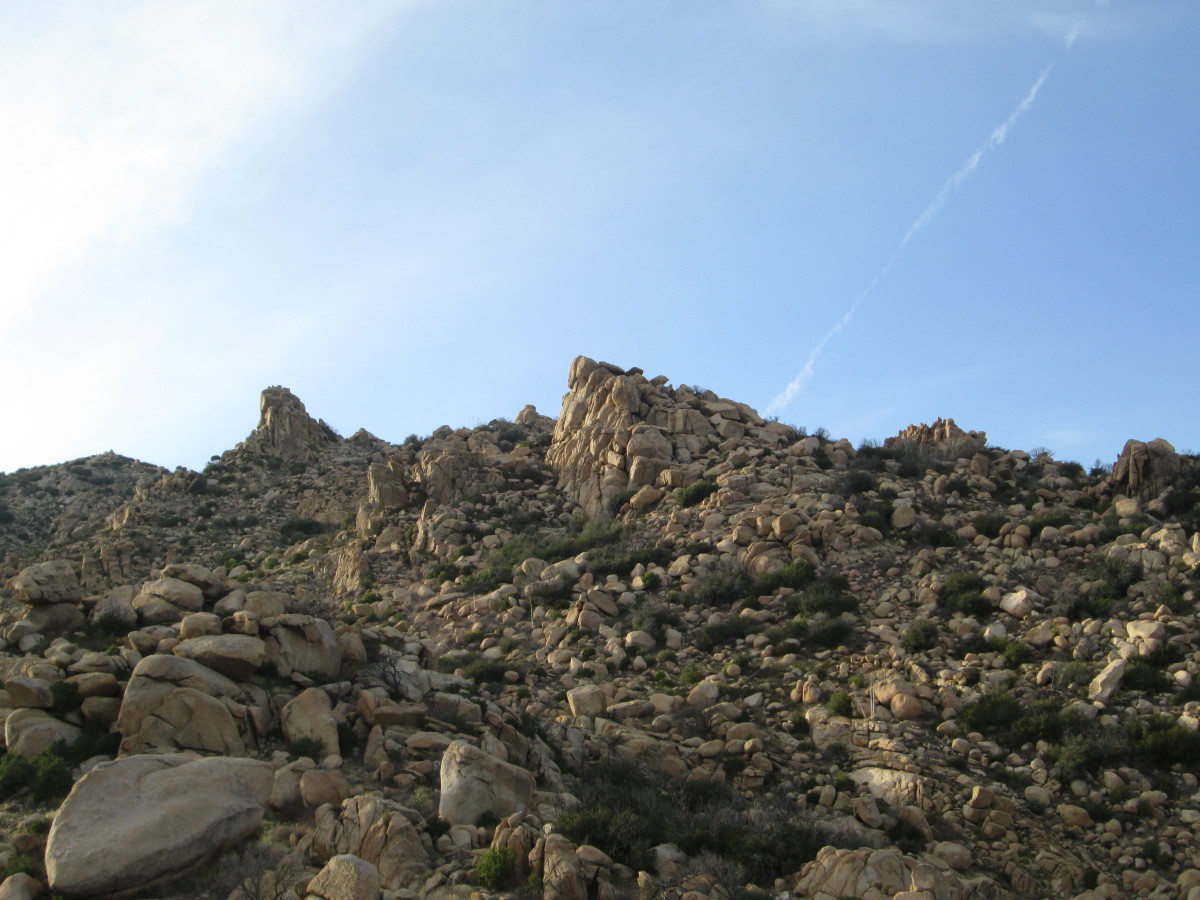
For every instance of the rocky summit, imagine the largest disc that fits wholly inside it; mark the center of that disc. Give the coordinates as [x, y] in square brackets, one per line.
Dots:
[658, 647]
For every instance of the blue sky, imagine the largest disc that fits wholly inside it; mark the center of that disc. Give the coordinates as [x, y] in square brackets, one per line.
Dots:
[417, 213]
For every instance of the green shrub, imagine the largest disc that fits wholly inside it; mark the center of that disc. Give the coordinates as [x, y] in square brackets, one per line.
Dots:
[294, 530]
[553, 594]
[722, 587]
[486, 671]
[989, 525]
[826, 631]
[726, 631]
[66, 696]
[1016, 654]
[921, 635]
[1163, 743]
[990, 713]
[962, 592]
[21, 863]
[651, 581]
[1055, 519]
[51, 778]
[311, 747]
[1143, 675]
[496, 869]
[826, 594]
[840, 704]
[694, 493]
[793, 575]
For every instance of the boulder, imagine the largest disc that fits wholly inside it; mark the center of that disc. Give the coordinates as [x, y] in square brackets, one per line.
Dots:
[129, 823]
[305, 644]
[1104, 685]
[167, 600]
[27, 732]
[376, 830]
[172, 703]
[201, 577]
[345, 877]
[49, 582]
[236, 656]
[474, 782]
[310, 715]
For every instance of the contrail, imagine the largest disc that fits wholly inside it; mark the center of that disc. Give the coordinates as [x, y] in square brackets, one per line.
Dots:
[997, 137]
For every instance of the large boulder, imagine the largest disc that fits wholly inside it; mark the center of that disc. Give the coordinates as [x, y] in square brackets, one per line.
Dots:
[376, 830]
[198, 575]
[49, 582]
[132, 822]
[236, 656]
[474, 782]
[167, 600]
[172, 703]
[310, 716]
[305, 644]
[27, 732]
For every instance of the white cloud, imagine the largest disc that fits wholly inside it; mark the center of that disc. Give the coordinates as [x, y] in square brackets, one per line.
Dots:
[114, 116]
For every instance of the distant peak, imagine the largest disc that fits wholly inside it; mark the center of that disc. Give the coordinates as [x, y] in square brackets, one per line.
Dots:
[285, 428]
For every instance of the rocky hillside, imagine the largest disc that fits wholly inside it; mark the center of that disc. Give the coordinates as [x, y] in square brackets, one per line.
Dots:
[655, 647]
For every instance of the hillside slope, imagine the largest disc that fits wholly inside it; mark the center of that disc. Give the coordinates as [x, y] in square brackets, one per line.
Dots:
[657, 645]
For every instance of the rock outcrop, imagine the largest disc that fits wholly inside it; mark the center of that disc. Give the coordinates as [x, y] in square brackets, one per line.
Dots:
[943, 436]
[1143, 471]
[619, 431]
[286, 430]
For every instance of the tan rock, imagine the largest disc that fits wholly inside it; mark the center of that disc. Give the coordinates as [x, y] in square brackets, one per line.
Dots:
[128, 823]
[376, 830]
[236, 656]
[310, 715]
[346, 877]
[474, 782]
[27, 732]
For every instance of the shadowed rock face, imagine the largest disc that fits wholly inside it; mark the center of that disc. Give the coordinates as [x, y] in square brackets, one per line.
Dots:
[286, 429]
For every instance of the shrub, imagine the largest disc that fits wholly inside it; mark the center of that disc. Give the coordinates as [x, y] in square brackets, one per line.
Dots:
[1142, 675]
[486, 671]
[856, 482]
[827, 595]
[20, 863]
[722, 587]
[920, 636]
[990, 524]
[66, 696]
[1056, 519]
[840, 704]
[554, 594]
[496, 869]
[311, 747]
[724, 632]
[827, 632]
[295, 530]
[793, 575]
[962, 592]
[694, 493]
